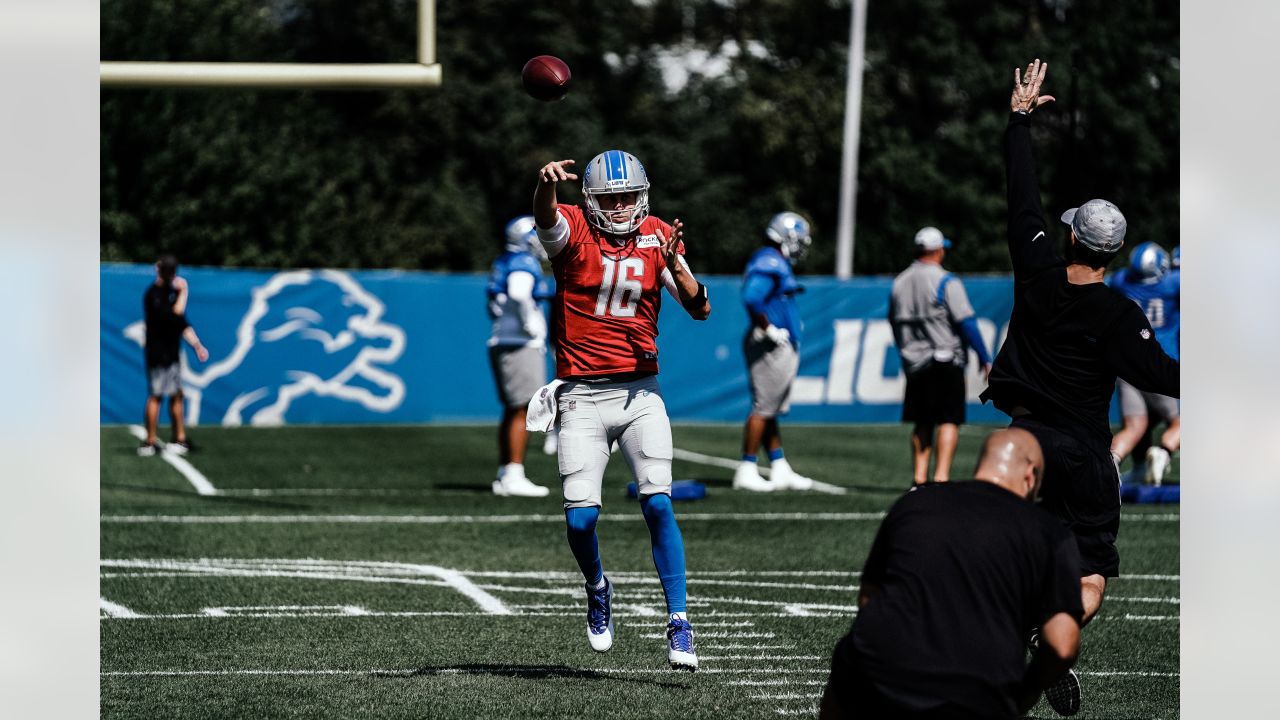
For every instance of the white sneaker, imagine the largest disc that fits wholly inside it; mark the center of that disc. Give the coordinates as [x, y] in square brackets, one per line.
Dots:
[1157, 465]
[784, 478]
[517, 485]
[747, 477]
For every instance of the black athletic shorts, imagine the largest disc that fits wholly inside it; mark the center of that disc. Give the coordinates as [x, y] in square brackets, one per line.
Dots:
[851, 695]
[935, 395]
[1082, 488]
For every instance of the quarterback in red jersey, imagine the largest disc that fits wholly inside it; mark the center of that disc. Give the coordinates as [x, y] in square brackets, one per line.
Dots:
[612, 261]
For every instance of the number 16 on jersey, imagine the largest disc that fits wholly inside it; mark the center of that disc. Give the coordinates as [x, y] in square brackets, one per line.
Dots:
[620, 287]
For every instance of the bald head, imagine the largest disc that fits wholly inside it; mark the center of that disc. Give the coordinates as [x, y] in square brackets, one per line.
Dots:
[1011, 458]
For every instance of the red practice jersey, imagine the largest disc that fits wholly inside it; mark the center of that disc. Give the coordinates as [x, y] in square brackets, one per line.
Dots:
[605, 314]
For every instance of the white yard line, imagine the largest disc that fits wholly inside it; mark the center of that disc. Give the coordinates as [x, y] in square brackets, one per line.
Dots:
[705, 635]
[551, 668]
[788, 696]
[457, 671]
[193, 476]
[722, 658]
[712, 646]
[509, 519]
[728, 464]
[767, 683]
[115, 610]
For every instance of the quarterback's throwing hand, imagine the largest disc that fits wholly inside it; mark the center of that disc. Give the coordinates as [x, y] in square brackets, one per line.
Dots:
[554, 171]
[1026, 88]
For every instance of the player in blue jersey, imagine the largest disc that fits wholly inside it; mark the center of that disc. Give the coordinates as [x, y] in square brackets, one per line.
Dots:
[1149, 281]
[517, 348]
[772, 350]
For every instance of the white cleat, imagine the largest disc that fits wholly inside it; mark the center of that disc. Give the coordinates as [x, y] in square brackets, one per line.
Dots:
[784, 478]
[600, 617]
[791, 480]
[680, 649]
[1157, 465]
[747, 477]
[512, 485]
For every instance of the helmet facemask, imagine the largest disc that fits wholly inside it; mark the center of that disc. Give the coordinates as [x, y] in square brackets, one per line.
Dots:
[791, 233]
[611, 173]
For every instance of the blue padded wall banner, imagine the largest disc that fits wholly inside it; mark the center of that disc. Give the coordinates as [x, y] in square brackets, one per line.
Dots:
[336, 346]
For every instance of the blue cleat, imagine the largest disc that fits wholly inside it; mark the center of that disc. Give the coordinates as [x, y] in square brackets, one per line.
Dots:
[680, 650]
[600, 617]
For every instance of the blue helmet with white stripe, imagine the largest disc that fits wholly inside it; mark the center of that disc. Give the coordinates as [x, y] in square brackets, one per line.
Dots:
[1149, 262]
[610, 173]
[522, 237]
[791, 232]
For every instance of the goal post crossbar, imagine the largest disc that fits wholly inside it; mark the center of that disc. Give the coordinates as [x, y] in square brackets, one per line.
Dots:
[270, 75]
[332, 76]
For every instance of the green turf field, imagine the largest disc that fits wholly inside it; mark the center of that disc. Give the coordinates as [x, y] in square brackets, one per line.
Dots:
[369, 572]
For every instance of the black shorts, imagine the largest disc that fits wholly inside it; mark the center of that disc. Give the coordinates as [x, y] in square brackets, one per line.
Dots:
[851, 695]
[1082, 488]
[935, 395]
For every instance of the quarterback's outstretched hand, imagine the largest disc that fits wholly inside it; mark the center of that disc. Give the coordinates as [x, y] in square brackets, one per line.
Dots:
[1026, 95]
[671, 245]
[554, 171]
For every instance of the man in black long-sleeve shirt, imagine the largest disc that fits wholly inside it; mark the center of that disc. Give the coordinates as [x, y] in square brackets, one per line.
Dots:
[1069, 338]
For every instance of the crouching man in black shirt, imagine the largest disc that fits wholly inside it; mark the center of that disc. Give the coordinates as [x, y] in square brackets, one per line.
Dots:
[1069, 338]
[959, 575]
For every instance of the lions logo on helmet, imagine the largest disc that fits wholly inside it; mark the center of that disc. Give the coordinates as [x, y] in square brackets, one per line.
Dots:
[791, 232]
[611, 172]
[523, 237]
[1148, 262]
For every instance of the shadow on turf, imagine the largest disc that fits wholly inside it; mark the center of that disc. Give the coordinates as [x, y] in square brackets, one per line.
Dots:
[528, 672]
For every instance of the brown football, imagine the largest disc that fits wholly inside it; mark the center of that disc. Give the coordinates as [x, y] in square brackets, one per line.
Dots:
[546, 77]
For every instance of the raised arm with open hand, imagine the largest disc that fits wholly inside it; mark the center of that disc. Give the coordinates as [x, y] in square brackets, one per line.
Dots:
[1026, 95]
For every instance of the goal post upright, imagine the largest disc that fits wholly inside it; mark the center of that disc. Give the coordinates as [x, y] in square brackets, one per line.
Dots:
[315, 76]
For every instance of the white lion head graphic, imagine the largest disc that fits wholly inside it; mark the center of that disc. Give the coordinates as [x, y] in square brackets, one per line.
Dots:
[306, 332]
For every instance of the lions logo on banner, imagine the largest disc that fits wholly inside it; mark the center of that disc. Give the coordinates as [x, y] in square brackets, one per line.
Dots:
[305, 333]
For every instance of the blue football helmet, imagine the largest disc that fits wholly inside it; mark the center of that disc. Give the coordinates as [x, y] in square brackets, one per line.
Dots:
[522, 237]
[791, 232]
[1148, 262]
[609, 173]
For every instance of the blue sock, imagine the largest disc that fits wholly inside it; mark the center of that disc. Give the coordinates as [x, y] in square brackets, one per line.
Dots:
[775, 454]
[749, 458]
[668, 548]
[582, 541]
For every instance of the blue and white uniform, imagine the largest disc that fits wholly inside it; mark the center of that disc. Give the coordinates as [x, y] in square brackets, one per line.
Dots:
[769, 288]
[1160, 300]
[518, 339]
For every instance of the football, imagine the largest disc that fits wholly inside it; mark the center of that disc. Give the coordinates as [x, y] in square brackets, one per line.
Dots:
[546, 77]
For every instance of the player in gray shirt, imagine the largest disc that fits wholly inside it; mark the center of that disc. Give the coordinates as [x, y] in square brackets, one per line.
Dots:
[933, 324]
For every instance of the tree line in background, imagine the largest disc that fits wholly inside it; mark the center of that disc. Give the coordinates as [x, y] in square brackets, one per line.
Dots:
[425, 179]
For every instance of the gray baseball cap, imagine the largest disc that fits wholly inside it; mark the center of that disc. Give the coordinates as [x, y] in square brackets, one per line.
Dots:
[1098, 224]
